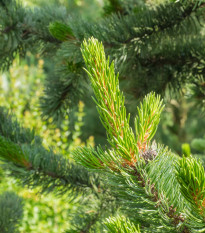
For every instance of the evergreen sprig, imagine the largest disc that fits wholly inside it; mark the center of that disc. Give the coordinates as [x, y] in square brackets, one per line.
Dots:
[12, 152]
[22, 30]
[145, 47]
[147, 120]
[146, 183]
[110, 103]
[109, 100]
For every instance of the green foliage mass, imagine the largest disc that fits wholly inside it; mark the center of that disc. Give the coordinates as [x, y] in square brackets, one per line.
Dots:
[135, 183]
[156, 45]
[20, 91]
[132, 182]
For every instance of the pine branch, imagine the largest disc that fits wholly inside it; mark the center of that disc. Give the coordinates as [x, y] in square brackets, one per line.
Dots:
[110, 102]
[62, 33]
[147, 184]
[197, 3]
[25, 157]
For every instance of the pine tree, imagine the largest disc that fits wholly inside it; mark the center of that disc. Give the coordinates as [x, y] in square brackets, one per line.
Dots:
[136, 185]
[160, 189]
[133, 185]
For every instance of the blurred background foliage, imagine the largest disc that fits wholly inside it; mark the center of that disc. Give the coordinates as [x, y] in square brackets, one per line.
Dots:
[181, 127]
[182, 122]
[20, 89]
[89, 9]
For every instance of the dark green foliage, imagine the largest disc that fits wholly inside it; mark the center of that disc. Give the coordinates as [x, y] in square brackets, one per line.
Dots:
[11, 212]
[23, 30]
[113, 6]
[122, 7]
[153, 48]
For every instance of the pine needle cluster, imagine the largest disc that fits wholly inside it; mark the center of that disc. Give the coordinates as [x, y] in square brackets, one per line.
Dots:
[136, 185]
